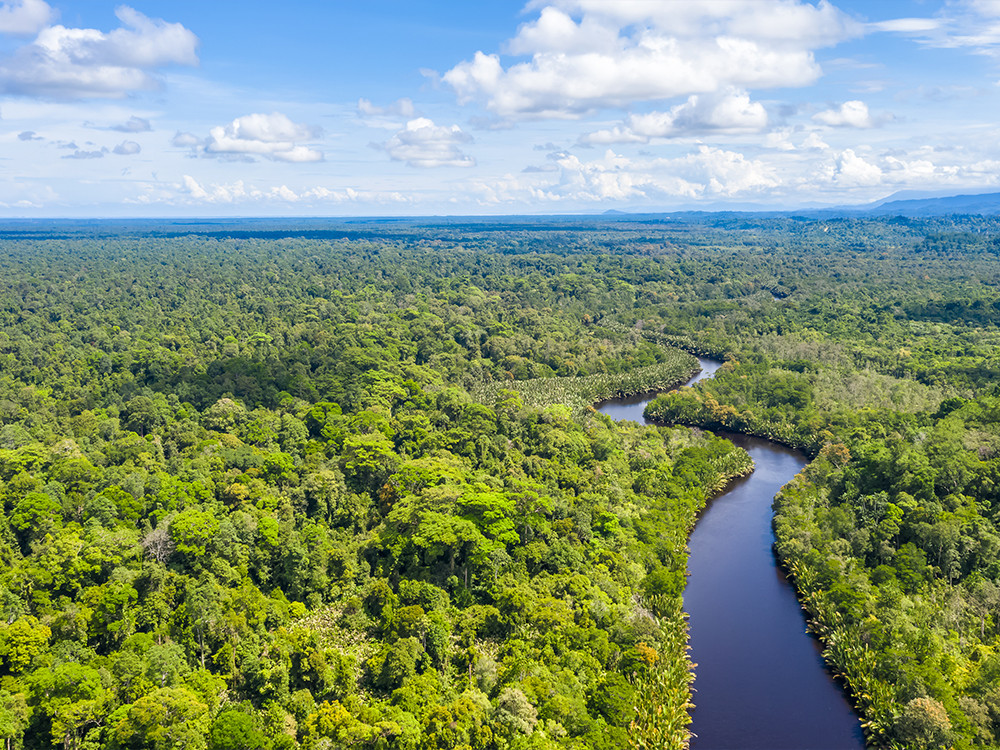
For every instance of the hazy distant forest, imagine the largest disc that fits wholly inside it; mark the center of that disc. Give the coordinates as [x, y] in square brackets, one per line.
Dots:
[323, 485]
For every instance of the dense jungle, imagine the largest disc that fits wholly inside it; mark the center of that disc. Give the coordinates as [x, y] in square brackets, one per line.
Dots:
[330, 484]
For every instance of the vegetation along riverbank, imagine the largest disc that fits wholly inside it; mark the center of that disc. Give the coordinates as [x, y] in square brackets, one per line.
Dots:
[338, 487]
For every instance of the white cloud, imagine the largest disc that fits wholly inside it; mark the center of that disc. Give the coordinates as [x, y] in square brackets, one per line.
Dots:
[149, 43]
[240, 192]
[81, 154]
[25, 17]
[779, 140]
[556, 31]
[814, 142]
[706, 172]
[68, 63]
[186, 140]
[272, 136]
[612, 177]
[232, 193]
[134, 125]
[390, 117]
[810, 171]
[127, 148]
[988, 8]
[623, 133]
[730, 111]
[399, 108]
[916, 170]
[423, 144]
[788, 20]
[728, 173]
[194, 188]
[907, 25]
[852, 114]
[862, 169]
[960, 23]
[629, 51]
[854, 171]
[26, 195]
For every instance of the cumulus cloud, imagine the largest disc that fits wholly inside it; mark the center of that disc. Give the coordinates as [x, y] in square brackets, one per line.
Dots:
[615, 177]
[727, 173]
[590, 54]
[855, 171]
[423, 144]
[853, 114]
[272, 136]
[814, 142]
[134, 125]
[779, 140]
[186, 140]
[127, 148]
[70, 63]
[231, 193]
[804, 169]
[29, 135]
[706, 172]
[241, 192]
[25, 18]
[729, 111]
[80, 154]
[863, 168]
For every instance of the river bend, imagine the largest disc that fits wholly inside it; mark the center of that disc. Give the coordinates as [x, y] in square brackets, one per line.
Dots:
[760, 682]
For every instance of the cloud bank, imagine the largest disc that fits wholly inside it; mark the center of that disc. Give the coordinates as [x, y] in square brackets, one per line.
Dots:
[729, 111]
[587, 55]
[70, 63]
[423, 144]
[25, 18]
[272, 136]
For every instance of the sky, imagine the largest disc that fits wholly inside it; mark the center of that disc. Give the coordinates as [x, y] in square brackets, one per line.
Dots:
[445, 107]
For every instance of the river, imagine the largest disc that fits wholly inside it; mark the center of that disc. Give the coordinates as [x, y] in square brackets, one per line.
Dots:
[760, 682]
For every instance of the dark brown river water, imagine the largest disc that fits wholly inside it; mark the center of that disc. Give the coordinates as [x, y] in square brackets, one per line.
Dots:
[760, 682]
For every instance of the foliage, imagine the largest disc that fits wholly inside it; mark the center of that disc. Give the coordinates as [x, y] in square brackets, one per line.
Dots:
[338, 485]
[255, 505]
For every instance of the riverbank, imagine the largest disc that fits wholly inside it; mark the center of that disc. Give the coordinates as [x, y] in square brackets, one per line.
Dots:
[687, 406]
[845, 651]
[760, 682]
[580, 393]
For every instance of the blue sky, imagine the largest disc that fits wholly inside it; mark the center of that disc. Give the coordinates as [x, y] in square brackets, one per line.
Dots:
[382, 107]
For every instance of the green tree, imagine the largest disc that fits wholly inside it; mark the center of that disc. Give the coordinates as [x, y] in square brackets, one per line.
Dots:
[73, 698]
[21, 642]
[167, 719]
[14, 715]
[235, 729]
[368, 460]
[35, 515]
[924, 725]
[192, 532]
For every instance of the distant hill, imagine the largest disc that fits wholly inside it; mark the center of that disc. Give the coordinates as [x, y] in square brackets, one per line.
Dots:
[910, 203]
[984, 203]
